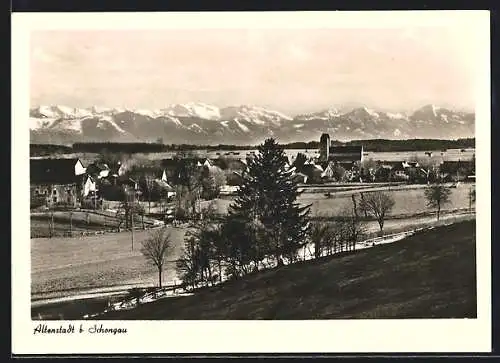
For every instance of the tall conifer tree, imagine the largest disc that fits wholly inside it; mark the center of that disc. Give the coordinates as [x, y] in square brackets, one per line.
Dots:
[268, 197]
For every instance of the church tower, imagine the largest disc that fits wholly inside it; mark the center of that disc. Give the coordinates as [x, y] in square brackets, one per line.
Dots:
[324, 147]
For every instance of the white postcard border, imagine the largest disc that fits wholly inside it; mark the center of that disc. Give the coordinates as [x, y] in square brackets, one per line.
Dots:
[440, 335]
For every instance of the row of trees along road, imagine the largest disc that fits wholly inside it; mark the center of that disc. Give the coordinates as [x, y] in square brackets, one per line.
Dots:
[267, 224]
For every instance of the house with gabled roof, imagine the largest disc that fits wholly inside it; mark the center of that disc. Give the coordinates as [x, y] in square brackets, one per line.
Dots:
[56, 181]
[89, 186]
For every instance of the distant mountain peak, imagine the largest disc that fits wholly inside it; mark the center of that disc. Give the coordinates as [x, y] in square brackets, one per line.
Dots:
[197, 122]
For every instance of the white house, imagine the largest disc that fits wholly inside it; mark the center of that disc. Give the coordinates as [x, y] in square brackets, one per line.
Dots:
[207, 163]
[164, 184]
[89, 186]
[228, 189]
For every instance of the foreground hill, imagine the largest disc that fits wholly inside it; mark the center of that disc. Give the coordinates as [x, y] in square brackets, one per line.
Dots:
[200, 123]
[429, 275]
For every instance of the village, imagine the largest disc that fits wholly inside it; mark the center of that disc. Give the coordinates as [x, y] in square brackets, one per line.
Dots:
[66, 183]
[288, 168]
[73, 203]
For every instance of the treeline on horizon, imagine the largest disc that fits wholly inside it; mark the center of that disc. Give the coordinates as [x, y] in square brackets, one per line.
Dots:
[374, 145]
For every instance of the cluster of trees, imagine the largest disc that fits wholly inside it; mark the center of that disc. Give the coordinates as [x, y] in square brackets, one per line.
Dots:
[119, 147]
[190, 181]
[266, 226]
[329, 238]
[49, 149]
[243, 243]
[427, 171]
[194, 183]
[378, 145]
[385, 145]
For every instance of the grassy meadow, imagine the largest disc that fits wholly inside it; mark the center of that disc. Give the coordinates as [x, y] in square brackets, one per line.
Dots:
[431, 274]
[68, 266]
[79, 221]
[60, 266]
[407, 201]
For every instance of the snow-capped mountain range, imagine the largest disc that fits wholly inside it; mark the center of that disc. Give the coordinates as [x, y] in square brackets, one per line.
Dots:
[200, 123]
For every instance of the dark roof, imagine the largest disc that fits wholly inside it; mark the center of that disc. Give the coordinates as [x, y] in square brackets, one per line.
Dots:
[53, 171]
[164, 185]
[346, 149]
[97, 167]
[346, 153]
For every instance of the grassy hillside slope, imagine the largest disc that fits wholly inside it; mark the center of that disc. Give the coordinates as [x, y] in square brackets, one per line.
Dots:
[429, 275]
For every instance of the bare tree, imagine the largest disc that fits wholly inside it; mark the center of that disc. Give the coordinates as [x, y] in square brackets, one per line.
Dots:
[188, 178]
[378, 204]
[437, 195]
[149, 183]
[321, 235]
[155, 249]
[188, 266]
[350, 229]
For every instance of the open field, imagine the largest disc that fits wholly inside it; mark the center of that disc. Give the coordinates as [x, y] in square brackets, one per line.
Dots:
[79, 221]
[68, 266]
[431, 274]
[437, 155]
[61, 266]
[408, 200]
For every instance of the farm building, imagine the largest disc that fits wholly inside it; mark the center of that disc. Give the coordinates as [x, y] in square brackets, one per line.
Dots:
[56, 181]
[164, 188]
[339, 172]
[344, 154]
[400, 171]
[89, 186]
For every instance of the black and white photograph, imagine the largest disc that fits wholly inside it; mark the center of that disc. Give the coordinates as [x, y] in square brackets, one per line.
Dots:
[227, 170]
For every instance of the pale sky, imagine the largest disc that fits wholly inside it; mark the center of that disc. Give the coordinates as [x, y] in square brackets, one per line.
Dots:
[289, 70]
